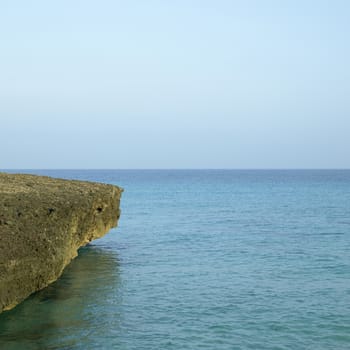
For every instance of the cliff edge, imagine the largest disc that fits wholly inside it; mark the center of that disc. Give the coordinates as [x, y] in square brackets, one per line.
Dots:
[43, 222]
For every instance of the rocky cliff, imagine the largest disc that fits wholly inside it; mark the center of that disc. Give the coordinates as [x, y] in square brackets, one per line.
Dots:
[43, 222]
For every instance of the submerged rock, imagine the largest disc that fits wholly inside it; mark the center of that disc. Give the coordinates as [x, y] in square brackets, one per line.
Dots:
[43, 223]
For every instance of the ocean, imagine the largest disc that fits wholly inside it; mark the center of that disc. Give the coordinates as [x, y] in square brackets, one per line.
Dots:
[203, 259]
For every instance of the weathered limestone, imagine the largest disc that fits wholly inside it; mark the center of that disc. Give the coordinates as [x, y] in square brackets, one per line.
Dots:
[43, 222]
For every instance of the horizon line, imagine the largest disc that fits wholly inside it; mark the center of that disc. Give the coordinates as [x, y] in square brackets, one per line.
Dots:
[167, 169]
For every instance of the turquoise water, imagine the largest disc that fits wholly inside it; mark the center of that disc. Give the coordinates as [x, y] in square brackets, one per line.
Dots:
[204, 260]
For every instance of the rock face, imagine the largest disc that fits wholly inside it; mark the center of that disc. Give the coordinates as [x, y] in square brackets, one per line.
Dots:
[43, 222]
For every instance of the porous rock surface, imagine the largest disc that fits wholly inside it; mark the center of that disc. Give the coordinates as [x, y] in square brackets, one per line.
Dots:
[43, 223]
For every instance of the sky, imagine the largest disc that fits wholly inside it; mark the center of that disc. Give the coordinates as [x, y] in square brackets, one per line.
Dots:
[174, 84]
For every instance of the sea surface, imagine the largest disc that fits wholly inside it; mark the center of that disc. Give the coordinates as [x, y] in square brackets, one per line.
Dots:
[203, 259]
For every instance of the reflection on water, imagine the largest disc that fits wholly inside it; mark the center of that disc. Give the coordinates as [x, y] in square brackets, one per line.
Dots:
[52, 318]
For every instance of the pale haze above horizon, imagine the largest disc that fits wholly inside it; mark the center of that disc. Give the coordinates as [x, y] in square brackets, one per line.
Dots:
[174, 84]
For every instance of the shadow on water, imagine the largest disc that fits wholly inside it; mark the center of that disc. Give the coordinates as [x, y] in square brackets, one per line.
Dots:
[59, 316]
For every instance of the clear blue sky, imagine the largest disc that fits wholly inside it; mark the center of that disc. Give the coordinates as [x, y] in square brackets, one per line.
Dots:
[174, 84]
